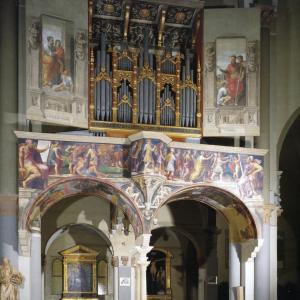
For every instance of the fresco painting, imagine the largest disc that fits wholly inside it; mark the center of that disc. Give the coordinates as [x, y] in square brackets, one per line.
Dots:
[231, 71]
[56, 54]
[41, 162]
[241, 172]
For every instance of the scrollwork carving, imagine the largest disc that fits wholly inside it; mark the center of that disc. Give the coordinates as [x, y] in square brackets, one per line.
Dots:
[210, 51]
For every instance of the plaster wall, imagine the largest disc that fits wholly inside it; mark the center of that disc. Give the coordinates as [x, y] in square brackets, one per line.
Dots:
[284, 79]
[78, 235]
[77, 210]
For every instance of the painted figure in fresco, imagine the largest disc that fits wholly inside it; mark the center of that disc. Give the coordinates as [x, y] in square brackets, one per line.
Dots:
[55, 158]
[200, 167]
[60, 56]
[148, 158]
[159, 158]
[92, 162]
[188, 165]
[234, 80]
[170, 160]
[222, 96]
[135, 155]
[31, 166]
[253, 170]
[218, 170]
[66, 82]
[250, 182]
[237, 168]
[79, 167]
[50, 70]
[53, 60]
[73, 152]
[10, 279]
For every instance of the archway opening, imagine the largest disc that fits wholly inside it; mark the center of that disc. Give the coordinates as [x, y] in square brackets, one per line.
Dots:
[201, 226]
[289, 223]
[87, 221]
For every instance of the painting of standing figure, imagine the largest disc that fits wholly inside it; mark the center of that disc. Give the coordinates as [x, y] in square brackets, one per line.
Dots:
[231, 72]
[57, 63]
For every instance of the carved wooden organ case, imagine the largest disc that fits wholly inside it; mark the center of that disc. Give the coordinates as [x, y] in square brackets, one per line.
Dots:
[145, 67]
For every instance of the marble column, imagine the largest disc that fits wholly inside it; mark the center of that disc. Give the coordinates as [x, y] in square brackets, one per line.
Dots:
[137, 283]
[201, 283]
[143, 280]
[142, 248]
[262, 267]
[36, 265]
[234, 270]
[248, 279]
[115, 263]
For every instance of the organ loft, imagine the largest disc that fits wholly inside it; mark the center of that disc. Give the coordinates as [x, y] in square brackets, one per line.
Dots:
[145, 67]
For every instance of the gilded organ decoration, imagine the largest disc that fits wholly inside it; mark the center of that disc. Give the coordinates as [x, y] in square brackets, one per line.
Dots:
[143, 74]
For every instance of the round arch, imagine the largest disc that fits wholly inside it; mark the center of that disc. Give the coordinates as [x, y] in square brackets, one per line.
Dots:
[240, 220]
[86, 186]
[64, 229]
[285, 129]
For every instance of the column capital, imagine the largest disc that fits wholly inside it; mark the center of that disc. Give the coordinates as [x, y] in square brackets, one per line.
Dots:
[267, 211]
[268, 15]
[8, 204]
[115, 261]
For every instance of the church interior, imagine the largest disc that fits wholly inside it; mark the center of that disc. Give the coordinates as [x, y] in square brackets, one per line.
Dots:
[150, 149]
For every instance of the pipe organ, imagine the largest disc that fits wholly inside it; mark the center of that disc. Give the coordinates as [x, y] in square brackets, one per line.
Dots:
[144, 67]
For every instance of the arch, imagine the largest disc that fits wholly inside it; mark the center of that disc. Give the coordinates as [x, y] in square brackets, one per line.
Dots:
[240, 220]
[184, 233]
[64, 229]
[87, 186]
[287, 126]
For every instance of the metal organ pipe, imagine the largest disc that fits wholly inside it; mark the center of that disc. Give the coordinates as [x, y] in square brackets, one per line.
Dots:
[97, 92]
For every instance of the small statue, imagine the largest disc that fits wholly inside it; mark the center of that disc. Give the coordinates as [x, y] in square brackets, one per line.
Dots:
[10, 279]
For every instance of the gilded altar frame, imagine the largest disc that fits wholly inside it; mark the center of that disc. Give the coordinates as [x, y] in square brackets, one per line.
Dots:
[79, 256]
[168, 291]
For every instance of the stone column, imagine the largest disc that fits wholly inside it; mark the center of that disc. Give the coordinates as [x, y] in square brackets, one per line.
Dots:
[115, 263]
[262, 261]
[248, 279]
[234, 269]
[36, 265]
[137, 282]
[201, 283]
[142, 249]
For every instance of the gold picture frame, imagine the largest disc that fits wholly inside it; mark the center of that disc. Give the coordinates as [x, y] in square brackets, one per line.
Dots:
[80, 273]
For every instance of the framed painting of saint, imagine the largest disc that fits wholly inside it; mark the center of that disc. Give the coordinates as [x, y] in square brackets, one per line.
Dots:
[231, 73]
[56, 58]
